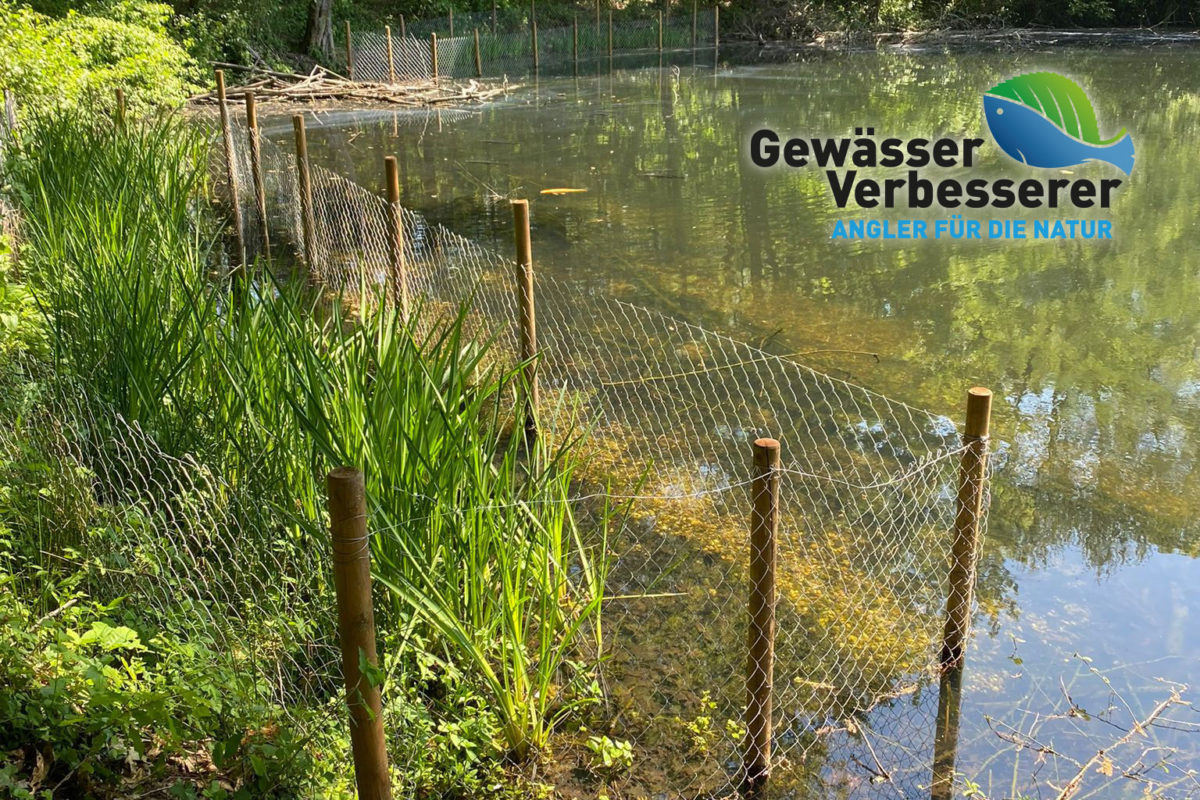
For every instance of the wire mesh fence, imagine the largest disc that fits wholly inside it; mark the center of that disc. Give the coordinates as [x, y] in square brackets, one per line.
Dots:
[867, 499]
[514, 43]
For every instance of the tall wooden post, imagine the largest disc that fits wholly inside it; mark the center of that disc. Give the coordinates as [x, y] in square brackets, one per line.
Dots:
[433, 65]
[397, 272]
[10, 110]
[390, 57]
[452, 23]
[120, 113]
[528, 320]
[349, 53]
[967, 520]
[695, 21]
[493, 17]
[575, 43]
[760, 666]
[356, 630]
[478, 56]
[660, 23]
[231, 172]
[610, 35]
[256, 171]
[533, 33]
[716, 27]
[304, 179]
[402, 31]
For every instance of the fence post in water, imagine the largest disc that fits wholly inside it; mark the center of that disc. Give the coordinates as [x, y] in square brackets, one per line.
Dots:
[387, 29]
[256, 173]
[304, 179]
[349, 53]
[610, 35]
[695, 19]
[356, 629]
[231, 172]
[397, 273]
[967, 519]
[660, 20]
[120, 113]
[433, 65]
[716, 27]
[945, 740]
[760, 666]
[527, 320]
[478, 56]
[575, 43]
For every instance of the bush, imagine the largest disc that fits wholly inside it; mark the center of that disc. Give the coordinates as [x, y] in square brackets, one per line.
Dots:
[80, 57]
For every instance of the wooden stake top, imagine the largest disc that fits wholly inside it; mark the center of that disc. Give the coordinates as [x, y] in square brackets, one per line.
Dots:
[979, 412]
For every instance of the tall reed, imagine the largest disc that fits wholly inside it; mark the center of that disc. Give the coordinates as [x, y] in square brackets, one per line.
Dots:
[473, 534]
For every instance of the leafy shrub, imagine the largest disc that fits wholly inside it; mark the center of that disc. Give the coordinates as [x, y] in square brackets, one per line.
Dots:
[80, 57]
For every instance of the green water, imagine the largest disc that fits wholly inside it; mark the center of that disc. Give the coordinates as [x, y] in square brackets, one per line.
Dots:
[1090, 346]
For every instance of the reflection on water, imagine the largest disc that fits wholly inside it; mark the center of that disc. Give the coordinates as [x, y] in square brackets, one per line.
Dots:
[1090, 346]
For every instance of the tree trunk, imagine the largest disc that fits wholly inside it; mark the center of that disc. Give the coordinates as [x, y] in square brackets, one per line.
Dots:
[318, 35]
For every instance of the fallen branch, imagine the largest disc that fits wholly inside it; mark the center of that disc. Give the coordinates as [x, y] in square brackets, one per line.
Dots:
[323, 84]
[1138, 728]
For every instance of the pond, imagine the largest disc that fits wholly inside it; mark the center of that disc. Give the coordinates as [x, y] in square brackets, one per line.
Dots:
[1088, 574]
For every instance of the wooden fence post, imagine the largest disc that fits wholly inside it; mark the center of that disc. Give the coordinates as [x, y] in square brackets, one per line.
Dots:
[533, 32]
[610, 35]
[967, 518]
[387, 29]
[575, 43]
[231, 172]
[478, 57]
[452, 23]
[10, 109]
[433, 65]
[304, 178]
[716, 27]
[120, 113]
[660, 23]
[527, 320]
[760, 666]
[402, 32]
[349, 53]
[356, 629]
[397, 271]
[695, 20]
[256, 173]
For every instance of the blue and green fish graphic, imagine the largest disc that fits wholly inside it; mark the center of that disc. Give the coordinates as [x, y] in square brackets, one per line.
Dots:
[1045, 120]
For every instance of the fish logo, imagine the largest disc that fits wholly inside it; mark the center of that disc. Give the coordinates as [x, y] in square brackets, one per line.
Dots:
[1045, 120]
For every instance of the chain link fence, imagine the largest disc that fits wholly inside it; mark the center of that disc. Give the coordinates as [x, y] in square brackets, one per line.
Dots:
[514, 43]
[866, 502]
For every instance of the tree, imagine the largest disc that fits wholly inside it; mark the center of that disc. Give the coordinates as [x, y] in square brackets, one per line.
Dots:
[318, 34]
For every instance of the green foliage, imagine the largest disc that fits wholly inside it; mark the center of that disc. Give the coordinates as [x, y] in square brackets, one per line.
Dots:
[610, 757]
[82, 56]
[96, 698]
